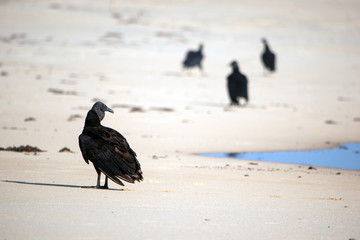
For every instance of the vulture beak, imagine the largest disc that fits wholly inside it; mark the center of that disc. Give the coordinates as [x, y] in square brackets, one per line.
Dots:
[109, 110]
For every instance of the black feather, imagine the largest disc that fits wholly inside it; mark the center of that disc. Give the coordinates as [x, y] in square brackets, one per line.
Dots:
[237, 84]
[194, 58]
[268, 58]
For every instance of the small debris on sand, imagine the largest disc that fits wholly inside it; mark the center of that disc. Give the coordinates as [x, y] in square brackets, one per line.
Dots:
[343, 99]
[311, 168]
[29, 119]
[330, 199]
[61, 92]
[14, 128]
[65, 149]
[26, 148]
[162, 109]
[343, 147]
[158, 157]
[330, 122]
[73, 117]
[137, 109]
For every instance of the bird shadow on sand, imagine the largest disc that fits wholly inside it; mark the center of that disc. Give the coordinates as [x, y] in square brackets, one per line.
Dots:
[57, 185]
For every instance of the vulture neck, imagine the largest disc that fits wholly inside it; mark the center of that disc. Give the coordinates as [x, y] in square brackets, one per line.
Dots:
[236, 70]
[92, 119]
[267, 47]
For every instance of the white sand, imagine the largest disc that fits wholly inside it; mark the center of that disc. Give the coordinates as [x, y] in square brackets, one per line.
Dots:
[126, 53]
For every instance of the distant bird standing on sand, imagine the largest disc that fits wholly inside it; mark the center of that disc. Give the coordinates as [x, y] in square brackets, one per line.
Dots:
[237, 84]
[107, 149]
[194, 58]
[268, 57]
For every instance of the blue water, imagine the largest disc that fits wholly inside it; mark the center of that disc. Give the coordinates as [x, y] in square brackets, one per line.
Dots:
[345, 156]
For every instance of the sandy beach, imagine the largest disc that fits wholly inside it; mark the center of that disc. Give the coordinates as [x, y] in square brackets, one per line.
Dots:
[59, 57]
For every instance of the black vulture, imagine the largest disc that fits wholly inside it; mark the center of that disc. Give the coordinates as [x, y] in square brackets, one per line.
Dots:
[194, 58]
[237, 85]
[107, 149]
[268, 57]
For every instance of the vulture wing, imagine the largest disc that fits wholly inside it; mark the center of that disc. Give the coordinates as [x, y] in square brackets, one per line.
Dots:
[109, 151]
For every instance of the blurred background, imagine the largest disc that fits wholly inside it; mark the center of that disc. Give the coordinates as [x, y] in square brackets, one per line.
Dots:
[58, 57]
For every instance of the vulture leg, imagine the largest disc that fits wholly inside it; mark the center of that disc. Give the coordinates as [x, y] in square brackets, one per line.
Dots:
[98, 171]
[99, 178]
[106, 183]
[200, 67]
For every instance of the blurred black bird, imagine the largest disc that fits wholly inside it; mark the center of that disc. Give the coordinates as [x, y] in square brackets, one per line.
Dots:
[107, 149]
[237, 84]
[194, 58]
[268, 57]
